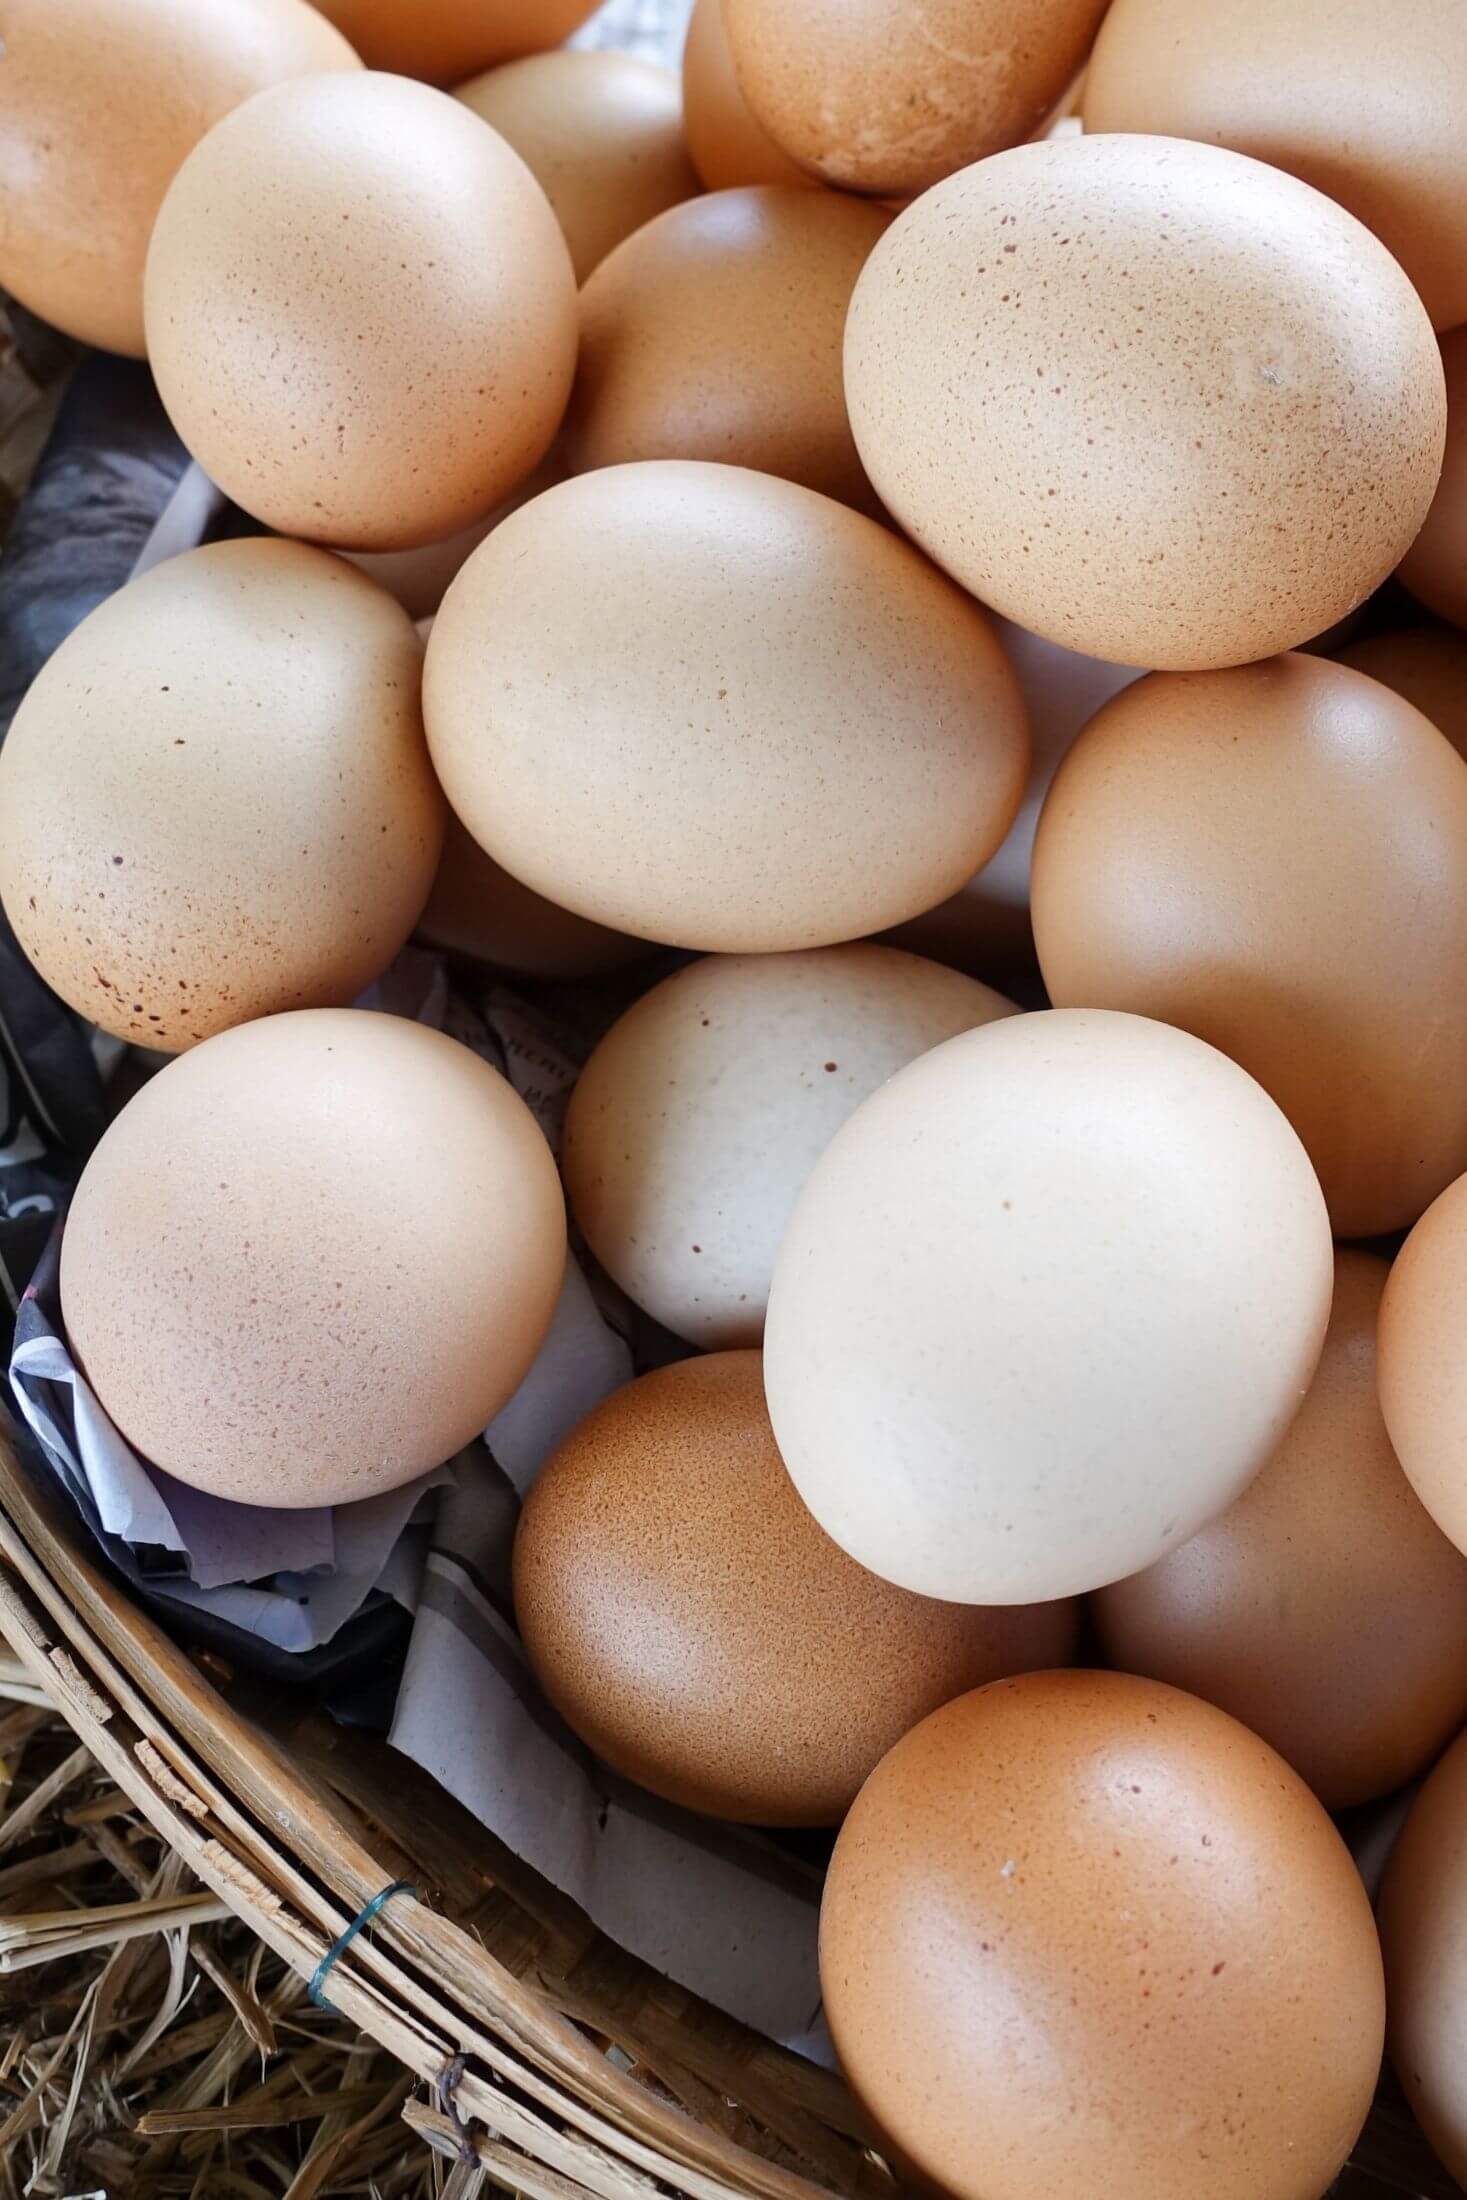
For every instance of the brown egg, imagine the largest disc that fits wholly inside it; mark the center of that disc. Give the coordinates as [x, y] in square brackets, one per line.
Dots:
[714, 709]
[1264, 1612]
[1362, 101]
[1423, 1935]
[1276, 859]
[688, 1619]
[447, 40]
[703, 1110]
[1425, 664]
[726, 145]
[1155, 401]
[1423, 1374]
[361, 312]
[313, 1258]
[887, 98]
[216, 800]
[1083, 1934]
[478, 910]
[601, 133]
[100, 103]
[1435, 566]
[715, 332]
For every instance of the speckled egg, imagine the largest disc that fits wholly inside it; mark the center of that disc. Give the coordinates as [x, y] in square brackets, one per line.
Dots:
[447, 40]
[1427, 665]
[360, 311]
[1083, 1934]
[311, 1259]
[711, 708]
[701, 1113]
[100, 103]
[216, 799]
[1423, 1374]
[689, 1620]
[726, 145]
[1155, 401]
[476, 909]
[1275, 858]
[715, 332]
[1423, 1933]
[1435, 566]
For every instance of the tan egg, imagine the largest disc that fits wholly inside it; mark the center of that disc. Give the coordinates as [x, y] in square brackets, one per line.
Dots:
[714, 709]
[216, 800]
[703, 1110]
[1422, 1916]
[478, 910]
[1427, 665]
[419, 578]
[1070, 1221]
[688, 1619]
[887, 98]
[1263, 1613]
[313, 1258]
[1083, 1934]
[100, 103]
[1423, 1379]
[715, 332]
[727, 146]
[447, 40]
[1435, 566]
[601, 133]
[1275, 858]
[361, 313]
[1363, 102]
[1152, 400]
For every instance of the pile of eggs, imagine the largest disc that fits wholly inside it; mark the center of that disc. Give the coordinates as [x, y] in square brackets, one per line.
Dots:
[896, 518]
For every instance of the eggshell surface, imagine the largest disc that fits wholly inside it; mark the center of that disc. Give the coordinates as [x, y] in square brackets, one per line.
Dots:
[691, 1622]
[360, 312]
[100, 103]
[1190, 863]
[216, 800]
[1084, 1934]
[1423, 1932]
[701, 1113]
[1363, 102]
[602, 135]
[447, 40]
[1069, 1221]
[1423, 1378]
[1263, 1612]
[1425, 665]
[715, 709]
[886, 98]
[1435, 566]
[727, 146]
[313, 1258]
[476, 909]
[715, 332]
[1152, 400]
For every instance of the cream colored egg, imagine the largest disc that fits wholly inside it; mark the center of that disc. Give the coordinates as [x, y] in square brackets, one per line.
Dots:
[700, 1115]
[728, 147]
[1046, 1304]
[447, 40]
[1153, 400]
[216, 800]
[313, 1258]
[714, 709]
[360, 311]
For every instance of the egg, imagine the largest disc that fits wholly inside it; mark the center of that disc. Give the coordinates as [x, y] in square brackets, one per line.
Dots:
[1435, 566]
[311, 1259]
[1423, 1931]
[726, 145]
[1425, 664]
[361, 313]
[1263, 1612]
[703, 1110]
[1154, 401]
[447, 40]
[100, 102]
[601, 133]
[1275, 858]
[714, 709]
[216, 799]
[1363, 102]
[715, 332]
[887, 98]
[688, 1619]
[1046, 1304]
[1083, 1934]
[1423, 1381]
[477, 909]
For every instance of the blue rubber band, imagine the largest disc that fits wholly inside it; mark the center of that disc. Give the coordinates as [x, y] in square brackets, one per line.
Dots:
[338, 1948]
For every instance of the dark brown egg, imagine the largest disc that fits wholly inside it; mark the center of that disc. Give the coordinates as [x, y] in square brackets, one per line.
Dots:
[1435, 566]
[1423, 1936]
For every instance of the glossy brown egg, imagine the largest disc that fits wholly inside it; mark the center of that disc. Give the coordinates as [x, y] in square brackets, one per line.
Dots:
[715, 332]
[726, 145]
[1425, 664]
[447, 40]
[476, 909]
[1422, 1915]
[1423, 1372]
[410, 337]
[1275, 858]
[1435, 566]
[689, 1620]
[1264, 1612]
[1083, 1934]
